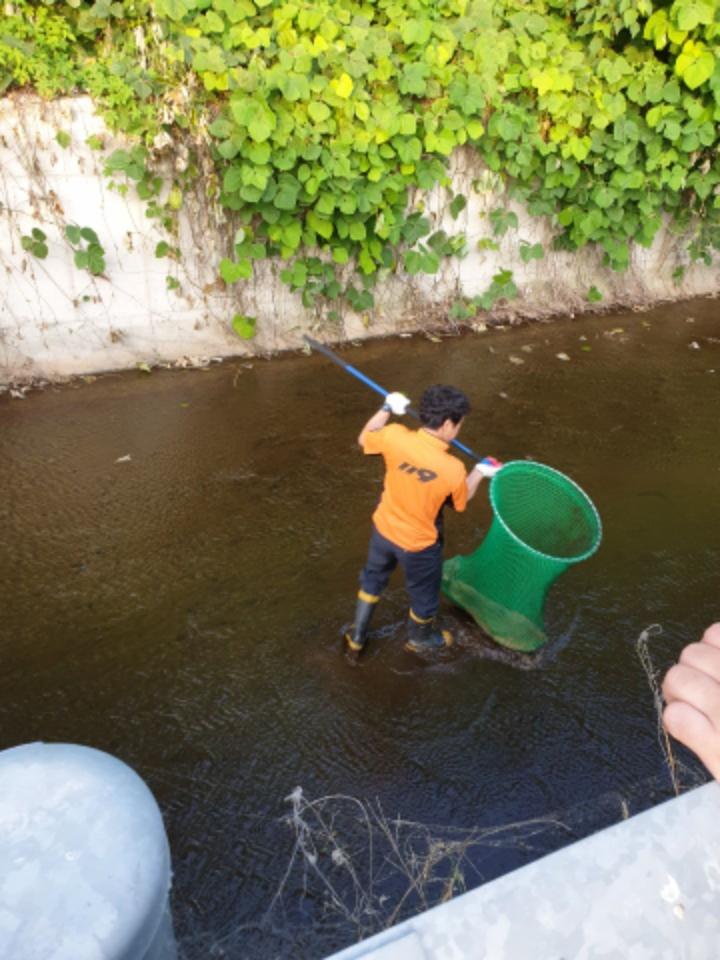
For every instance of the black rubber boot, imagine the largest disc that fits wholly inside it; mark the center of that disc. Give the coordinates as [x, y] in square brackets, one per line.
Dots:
[356, 639]
[425, 637]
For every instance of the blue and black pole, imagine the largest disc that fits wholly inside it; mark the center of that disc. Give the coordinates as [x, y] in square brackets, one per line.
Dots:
[353, 371]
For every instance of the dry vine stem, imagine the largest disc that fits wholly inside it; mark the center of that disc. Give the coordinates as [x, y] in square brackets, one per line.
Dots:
[375, 870]
[643, 652]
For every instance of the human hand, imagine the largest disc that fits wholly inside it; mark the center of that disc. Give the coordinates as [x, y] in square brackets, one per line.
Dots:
[692, 693]
[489, 466]
[397, 403]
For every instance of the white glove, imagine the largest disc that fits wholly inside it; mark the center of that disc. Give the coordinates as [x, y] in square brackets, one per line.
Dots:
[397, 403]
[489, 466]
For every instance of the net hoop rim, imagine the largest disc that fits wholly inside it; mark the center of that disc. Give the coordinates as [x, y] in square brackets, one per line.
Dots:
[557, 473]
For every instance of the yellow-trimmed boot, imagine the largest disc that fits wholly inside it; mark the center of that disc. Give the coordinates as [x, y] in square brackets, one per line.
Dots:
[356, 639]
[425, 637]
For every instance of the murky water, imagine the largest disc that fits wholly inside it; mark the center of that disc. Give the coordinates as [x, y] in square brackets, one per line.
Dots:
[182, 609]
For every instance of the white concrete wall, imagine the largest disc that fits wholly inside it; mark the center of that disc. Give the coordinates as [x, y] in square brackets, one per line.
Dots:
[57, 320]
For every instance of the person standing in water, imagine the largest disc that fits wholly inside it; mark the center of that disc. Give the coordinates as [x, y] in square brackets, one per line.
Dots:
[421, 478]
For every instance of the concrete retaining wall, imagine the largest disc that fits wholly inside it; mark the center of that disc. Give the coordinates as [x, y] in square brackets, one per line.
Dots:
[58, 320]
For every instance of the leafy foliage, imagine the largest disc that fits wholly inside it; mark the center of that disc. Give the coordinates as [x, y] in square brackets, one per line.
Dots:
[244, 326]
[35, 243]
[502, 288]
[89, 254]
[324, 119]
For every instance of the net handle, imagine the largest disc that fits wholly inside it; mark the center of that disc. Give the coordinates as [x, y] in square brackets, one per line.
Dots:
[354, 372]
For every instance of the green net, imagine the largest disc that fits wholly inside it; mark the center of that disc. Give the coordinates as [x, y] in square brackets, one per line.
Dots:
[543, 523]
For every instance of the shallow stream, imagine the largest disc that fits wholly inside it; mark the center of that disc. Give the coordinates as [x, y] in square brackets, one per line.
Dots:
[179, 555]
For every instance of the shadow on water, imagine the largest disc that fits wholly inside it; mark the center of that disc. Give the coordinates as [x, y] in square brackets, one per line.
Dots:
[180, 554]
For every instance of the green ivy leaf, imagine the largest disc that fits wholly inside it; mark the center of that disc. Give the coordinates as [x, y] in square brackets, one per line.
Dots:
[244, 327]
[319, 111]
[458, 204]
[688, 14]
[413, 262]
[695, 64]
[678, 274]
[415, 31]
[533, 251]
[72, 233]
[413, 78]
[460, 311]
[174, 9]
[366, 262]
[320, 225]
[254, 116]
[286, 197]
[506, 127]
[357, 230]
[296, 276]
[502, 221]
[439, 242]
[407, 124]
[295, 86]
[221, 128]
[232, 271]
[325, 204]
[95, 259]
[415, 227]
[259, 154]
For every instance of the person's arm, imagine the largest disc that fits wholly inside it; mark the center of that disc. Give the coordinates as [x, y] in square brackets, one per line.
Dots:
[396, 403]
[473, 481]
[486, 468]
[376, 422]
[692, 693]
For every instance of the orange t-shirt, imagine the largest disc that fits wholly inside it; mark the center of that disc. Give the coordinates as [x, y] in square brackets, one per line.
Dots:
[419, 478]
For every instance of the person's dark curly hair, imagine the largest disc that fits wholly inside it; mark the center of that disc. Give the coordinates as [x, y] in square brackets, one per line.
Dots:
[440, 403]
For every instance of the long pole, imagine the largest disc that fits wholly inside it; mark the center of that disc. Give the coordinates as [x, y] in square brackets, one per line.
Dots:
[353, 371]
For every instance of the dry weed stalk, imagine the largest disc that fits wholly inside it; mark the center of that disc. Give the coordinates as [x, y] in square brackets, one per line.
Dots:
[643, 652]
[375, 870]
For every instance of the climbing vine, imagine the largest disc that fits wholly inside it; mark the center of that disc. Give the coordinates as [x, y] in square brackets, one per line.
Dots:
[326, 121]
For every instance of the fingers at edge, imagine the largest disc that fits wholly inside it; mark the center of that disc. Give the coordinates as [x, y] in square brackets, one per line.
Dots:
[702, 657]
[712, 635]
[693, 729]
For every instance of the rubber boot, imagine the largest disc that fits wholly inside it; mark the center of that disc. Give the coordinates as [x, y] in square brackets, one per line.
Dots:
[425, 637]
[356, 639]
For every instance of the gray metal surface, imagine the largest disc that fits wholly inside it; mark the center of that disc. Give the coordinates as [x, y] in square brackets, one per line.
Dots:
[645, 889]
[84, 859]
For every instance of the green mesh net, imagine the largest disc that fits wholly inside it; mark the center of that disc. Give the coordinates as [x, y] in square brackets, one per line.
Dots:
[543, 523]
